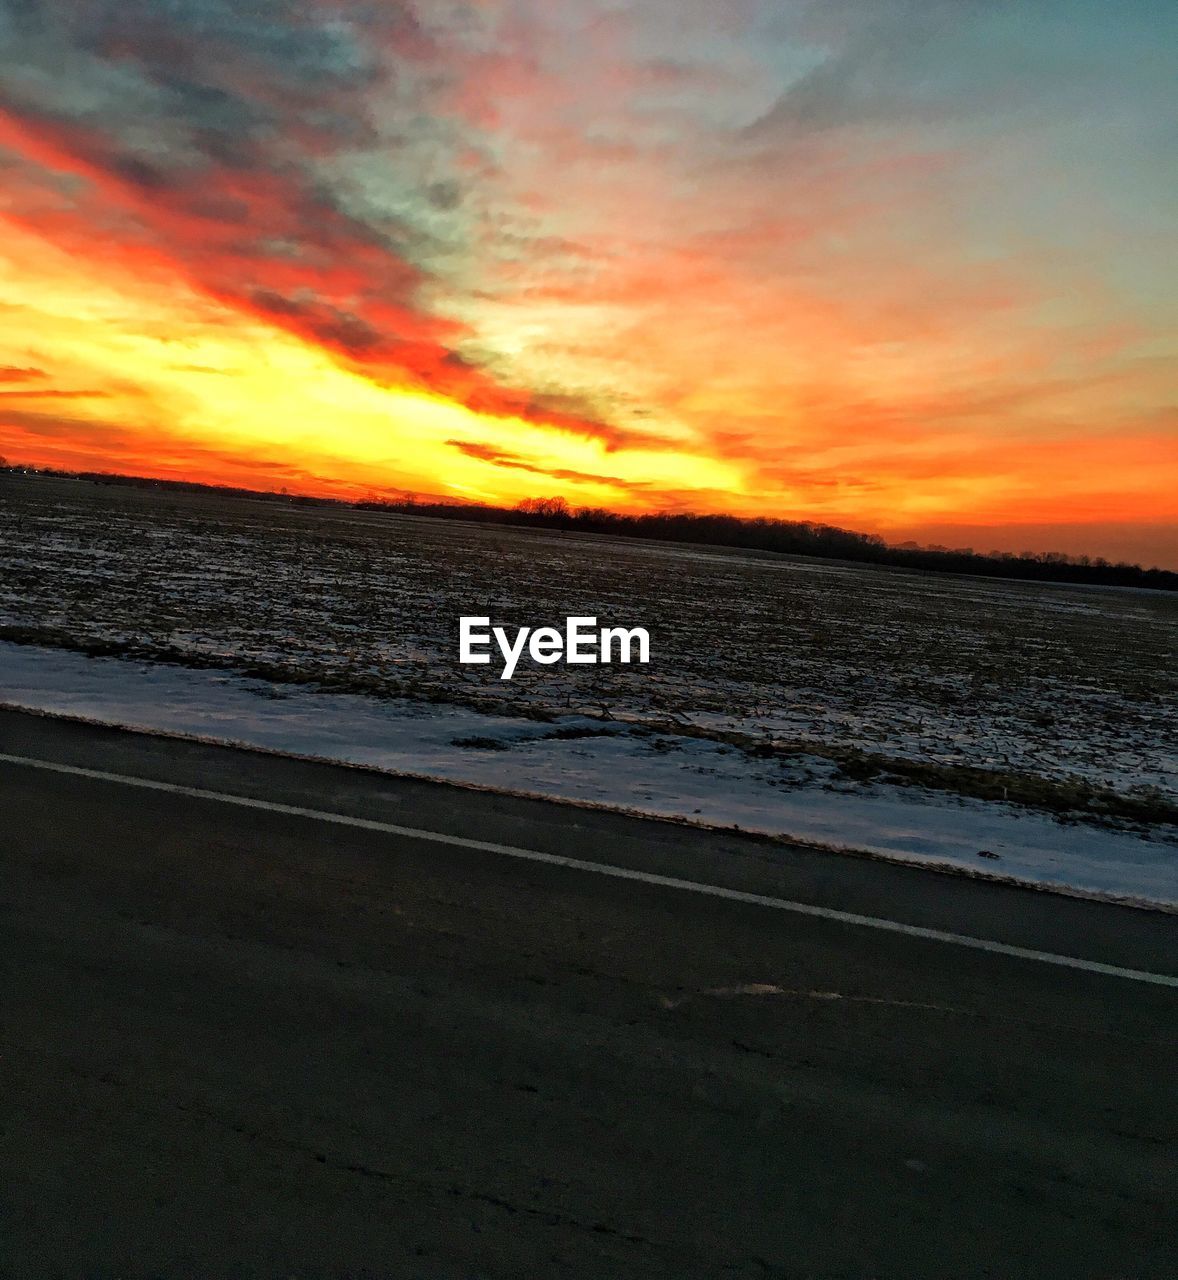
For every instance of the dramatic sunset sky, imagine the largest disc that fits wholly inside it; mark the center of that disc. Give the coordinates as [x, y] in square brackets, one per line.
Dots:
[909, 266]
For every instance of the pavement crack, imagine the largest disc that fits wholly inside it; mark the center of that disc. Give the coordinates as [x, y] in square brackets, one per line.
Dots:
[268, 1138]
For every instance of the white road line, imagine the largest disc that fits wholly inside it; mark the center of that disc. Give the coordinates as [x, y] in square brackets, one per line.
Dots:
[603, 869]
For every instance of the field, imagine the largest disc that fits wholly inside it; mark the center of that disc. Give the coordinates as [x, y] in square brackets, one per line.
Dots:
[1056, 696]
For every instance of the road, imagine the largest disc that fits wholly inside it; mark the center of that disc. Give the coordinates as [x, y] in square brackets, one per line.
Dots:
[241, 1040]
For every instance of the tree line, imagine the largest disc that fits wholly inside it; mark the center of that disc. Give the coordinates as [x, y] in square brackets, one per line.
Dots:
[762, 533]
[795, 537]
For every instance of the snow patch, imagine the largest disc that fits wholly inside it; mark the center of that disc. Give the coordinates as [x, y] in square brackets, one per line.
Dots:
[621, 766]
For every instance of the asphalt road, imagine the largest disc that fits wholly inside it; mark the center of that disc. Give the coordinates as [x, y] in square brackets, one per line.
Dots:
[240, 1042]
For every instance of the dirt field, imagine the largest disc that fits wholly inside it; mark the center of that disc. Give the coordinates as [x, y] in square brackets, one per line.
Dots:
[964, 683]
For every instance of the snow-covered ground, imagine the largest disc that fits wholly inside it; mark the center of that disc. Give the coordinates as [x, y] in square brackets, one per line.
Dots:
[620, 765]
[1070, 685]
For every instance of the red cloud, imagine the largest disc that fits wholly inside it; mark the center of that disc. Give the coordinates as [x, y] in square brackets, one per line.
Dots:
[265, 240]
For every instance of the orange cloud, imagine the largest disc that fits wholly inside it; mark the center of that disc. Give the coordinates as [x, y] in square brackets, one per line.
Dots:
[830, 266]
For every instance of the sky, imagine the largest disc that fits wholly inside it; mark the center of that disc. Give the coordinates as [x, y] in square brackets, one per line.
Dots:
[906, 266]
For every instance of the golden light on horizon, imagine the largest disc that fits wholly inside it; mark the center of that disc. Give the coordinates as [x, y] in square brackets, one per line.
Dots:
[172, 368]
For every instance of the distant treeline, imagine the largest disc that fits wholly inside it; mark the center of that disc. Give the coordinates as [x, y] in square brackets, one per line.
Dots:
[793, 537]
[178, 486]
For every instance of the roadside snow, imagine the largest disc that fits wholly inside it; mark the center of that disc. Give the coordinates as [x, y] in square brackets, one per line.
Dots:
[625, 767]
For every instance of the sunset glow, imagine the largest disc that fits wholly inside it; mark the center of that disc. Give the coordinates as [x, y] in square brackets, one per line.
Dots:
[908, 269]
